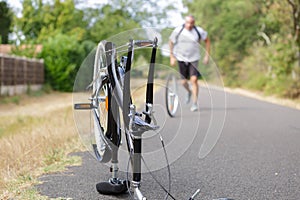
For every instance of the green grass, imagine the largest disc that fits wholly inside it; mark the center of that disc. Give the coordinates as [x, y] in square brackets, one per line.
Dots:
[32, 145]
[10, 125]
[46, 89]
[13, 99]
[56, 161]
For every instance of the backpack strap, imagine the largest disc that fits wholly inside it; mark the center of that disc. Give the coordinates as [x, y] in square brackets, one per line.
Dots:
[198, 33]
[177, 36]
[194, 27]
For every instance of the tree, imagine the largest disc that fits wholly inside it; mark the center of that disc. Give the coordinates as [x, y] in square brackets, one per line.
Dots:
[62, 30]
[65, 31]
[110, 22]
[30, 24]
[146, 13]
[232, 27]
[295, 5]
[63, 17]
[5, 22]
[276, 23]
[42, 20]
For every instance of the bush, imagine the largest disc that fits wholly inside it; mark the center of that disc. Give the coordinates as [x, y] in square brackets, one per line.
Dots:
[62, 56]
[293, 90]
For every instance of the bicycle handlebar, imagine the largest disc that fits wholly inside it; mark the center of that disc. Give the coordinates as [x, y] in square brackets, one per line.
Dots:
[145, 43]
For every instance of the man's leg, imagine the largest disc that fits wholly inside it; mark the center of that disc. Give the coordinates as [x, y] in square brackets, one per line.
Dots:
[194, 74]
[184, 72]
[195, 88]
[185, 84]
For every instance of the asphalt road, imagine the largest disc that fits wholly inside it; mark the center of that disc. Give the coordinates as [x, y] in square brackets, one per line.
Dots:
[257, 155]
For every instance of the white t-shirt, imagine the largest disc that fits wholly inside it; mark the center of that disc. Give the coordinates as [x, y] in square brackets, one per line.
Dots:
[187, 48]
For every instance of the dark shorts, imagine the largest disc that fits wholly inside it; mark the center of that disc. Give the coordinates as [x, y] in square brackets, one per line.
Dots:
[188, 69]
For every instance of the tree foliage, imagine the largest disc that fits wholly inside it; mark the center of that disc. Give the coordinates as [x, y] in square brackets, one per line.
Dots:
[42, 20]
[68, 32]
[240, 29]
[229, 25]
[146, 13]
[5, 22]
[110, 22]
[255, 43]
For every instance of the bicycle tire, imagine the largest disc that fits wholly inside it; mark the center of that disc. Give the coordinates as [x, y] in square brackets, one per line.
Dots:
[171, 95]
[101, 90]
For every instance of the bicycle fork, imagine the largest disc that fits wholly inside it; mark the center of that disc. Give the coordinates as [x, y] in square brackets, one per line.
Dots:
[136, 180]
[135, 146]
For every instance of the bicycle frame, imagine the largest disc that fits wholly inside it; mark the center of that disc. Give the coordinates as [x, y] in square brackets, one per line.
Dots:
[133, 135]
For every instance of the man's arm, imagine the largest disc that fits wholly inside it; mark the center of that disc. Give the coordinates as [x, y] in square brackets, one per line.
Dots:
[207, 48]
[172, 57]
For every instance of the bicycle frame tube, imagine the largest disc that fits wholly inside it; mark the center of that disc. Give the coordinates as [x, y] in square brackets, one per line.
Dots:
[126, 86]
[113, 131]
[137, 142]
[135, 137]
[149, 91]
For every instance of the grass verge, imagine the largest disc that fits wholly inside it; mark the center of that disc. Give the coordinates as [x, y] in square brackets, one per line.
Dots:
[35, 143]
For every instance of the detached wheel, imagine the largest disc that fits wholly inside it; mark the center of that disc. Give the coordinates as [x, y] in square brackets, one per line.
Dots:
[171, 96]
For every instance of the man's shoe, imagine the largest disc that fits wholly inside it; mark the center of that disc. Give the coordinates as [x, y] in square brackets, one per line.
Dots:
[188, 97]
[194, 107]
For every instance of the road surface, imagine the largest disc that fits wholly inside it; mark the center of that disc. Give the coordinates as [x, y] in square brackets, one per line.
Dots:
[257, 155]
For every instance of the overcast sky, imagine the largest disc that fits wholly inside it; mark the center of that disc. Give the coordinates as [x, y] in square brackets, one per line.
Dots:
[175, 16]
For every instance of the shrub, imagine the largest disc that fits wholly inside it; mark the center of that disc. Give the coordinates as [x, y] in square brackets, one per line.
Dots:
[62, 56]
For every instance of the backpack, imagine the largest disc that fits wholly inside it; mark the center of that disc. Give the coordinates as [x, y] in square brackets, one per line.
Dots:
[194, 27]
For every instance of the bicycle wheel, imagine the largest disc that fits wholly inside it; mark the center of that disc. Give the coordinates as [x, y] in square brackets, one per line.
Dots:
[101, 92]
[171, 95]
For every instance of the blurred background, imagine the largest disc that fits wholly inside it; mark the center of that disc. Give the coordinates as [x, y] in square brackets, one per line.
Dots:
[255, 44]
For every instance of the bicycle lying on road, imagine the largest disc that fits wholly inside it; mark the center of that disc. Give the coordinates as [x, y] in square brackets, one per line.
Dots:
[111, 106]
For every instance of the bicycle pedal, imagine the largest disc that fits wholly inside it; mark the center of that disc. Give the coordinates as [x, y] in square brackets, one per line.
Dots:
[83, 106]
